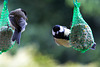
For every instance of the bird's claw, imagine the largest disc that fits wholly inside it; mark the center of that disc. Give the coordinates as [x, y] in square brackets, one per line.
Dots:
[8, 26]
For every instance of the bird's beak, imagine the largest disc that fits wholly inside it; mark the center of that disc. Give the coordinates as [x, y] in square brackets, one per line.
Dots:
[26, 18]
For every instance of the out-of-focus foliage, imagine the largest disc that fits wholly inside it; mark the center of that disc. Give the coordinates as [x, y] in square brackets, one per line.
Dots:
[42, 16]
[93, 6]
[29, 57]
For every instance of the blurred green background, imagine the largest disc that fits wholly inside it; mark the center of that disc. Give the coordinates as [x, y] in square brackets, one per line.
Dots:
[37, 47]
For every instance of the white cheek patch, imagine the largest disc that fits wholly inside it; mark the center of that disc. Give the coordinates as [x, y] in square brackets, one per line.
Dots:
[25, 23]
[61, 29]
[67, 31]
[53, 33]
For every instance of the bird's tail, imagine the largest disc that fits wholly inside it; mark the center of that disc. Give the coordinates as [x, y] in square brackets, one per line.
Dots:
[16, 36]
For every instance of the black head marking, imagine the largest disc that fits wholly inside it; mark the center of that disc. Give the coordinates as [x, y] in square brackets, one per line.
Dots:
[24, 11]
[60, 34]
[56, 28]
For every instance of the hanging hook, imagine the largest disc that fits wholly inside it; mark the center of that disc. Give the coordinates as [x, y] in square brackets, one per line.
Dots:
[6, 0]
[76, 3]
[5, 4]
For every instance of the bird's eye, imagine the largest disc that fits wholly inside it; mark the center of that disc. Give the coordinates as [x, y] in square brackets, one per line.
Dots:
[61, 29]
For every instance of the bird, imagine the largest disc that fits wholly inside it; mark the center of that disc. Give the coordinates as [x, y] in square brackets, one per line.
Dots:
[61, 35]
[17, 19]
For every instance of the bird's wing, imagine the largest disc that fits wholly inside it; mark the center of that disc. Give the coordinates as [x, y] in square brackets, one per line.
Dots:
[14, 21]
[22, 24]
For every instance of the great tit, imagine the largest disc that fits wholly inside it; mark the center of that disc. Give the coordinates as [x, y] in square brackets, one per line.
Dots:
[18, 23]
[61, 35]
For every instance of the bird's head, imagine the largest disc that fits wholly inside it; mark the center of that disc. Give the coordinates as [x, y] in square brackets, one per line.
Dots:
[60, 32]
[19, 13]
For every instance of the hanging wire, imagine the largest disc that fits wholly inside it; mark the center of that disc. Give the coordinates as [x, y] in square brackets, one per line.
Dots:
[74, 2]
[5, 4]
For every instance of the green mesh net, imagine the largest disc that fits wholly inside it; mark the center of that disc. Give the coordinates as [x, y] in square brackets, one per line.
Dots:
[81, 37]
[5, 31]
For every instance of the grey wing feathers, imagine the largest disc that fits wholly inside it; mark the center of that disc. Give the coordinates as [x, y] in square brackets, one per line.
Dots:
[14, 22]
[19, 24]
[22, 24]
